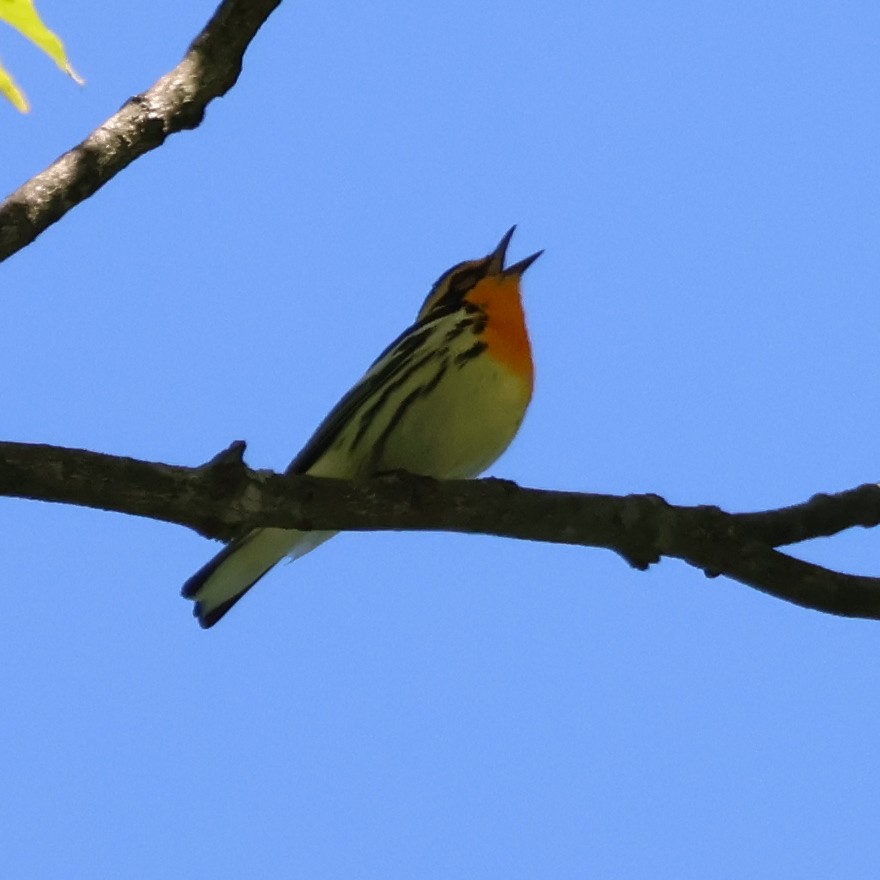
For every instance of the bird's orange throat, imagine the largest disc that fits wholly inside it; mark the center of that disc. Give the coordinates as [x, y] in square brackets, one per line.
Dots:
[505, 335]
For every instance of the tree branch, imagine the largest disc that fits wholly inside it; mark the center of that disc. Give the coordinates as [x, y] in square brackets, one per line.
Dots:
[224, 497]
[176, 102]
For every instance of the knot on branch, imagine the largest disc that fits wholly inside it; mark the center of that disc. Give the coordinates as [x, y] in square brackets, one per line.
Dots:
[645, 522]
[232, 456]
[226, 476]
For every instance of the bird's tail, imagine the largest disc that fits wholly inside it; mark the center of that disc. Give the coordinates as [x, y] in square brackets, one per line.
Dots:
[219, 584]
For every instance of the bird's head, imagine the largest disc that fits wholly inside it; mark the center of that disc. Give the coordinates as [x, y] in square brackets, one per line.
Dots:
[476, 280]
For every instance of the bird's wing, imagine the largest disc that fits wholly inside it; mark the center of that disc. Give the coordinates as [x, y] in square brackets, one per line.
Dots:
[407, 353]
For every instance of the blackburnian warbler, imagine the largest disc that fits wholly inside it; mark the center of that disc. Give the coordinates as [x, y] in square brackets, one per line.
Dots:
[445, 399]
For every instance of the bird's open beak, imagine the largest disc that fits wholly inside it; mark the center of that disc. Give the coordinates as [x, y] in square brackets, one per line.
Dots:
[497, 257]
[522, 265]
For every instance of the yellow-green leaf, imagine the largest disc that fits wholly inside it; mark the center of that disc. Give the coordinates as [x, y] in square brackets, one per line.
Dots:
[12, 91]
[22, 15]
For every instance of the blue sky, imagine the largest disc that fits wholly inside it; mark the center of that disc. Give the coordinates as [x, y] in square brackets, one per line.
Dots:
[704, 180]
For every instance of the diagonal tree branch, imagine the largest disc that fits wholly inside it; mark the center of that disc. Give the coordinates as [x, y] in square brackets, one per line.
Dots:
[224, 497]
[176, 102]
[821, 516]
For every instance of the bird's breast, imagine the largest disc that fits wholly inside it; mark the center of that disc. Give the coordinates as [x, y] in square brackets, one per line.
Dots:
[448, 409]
[462, 422]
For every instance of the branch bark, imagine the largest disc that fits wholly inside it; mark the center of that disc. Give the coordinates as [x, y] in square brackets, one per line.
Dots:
[176, 102]
[224, 497]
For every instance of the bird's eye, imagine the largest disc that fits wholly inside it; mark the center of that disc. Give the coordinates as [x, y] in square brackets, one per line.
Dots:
[452, 287]
[462, 282]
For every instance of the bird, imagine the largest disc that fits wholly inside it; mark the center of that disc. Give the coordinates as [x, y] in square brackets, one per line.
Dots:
[444, 400]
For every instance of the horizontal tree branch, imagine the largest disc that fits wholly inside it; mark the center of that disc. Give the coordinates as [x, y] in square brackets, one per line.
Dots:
[224, 498]
[176, 102]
